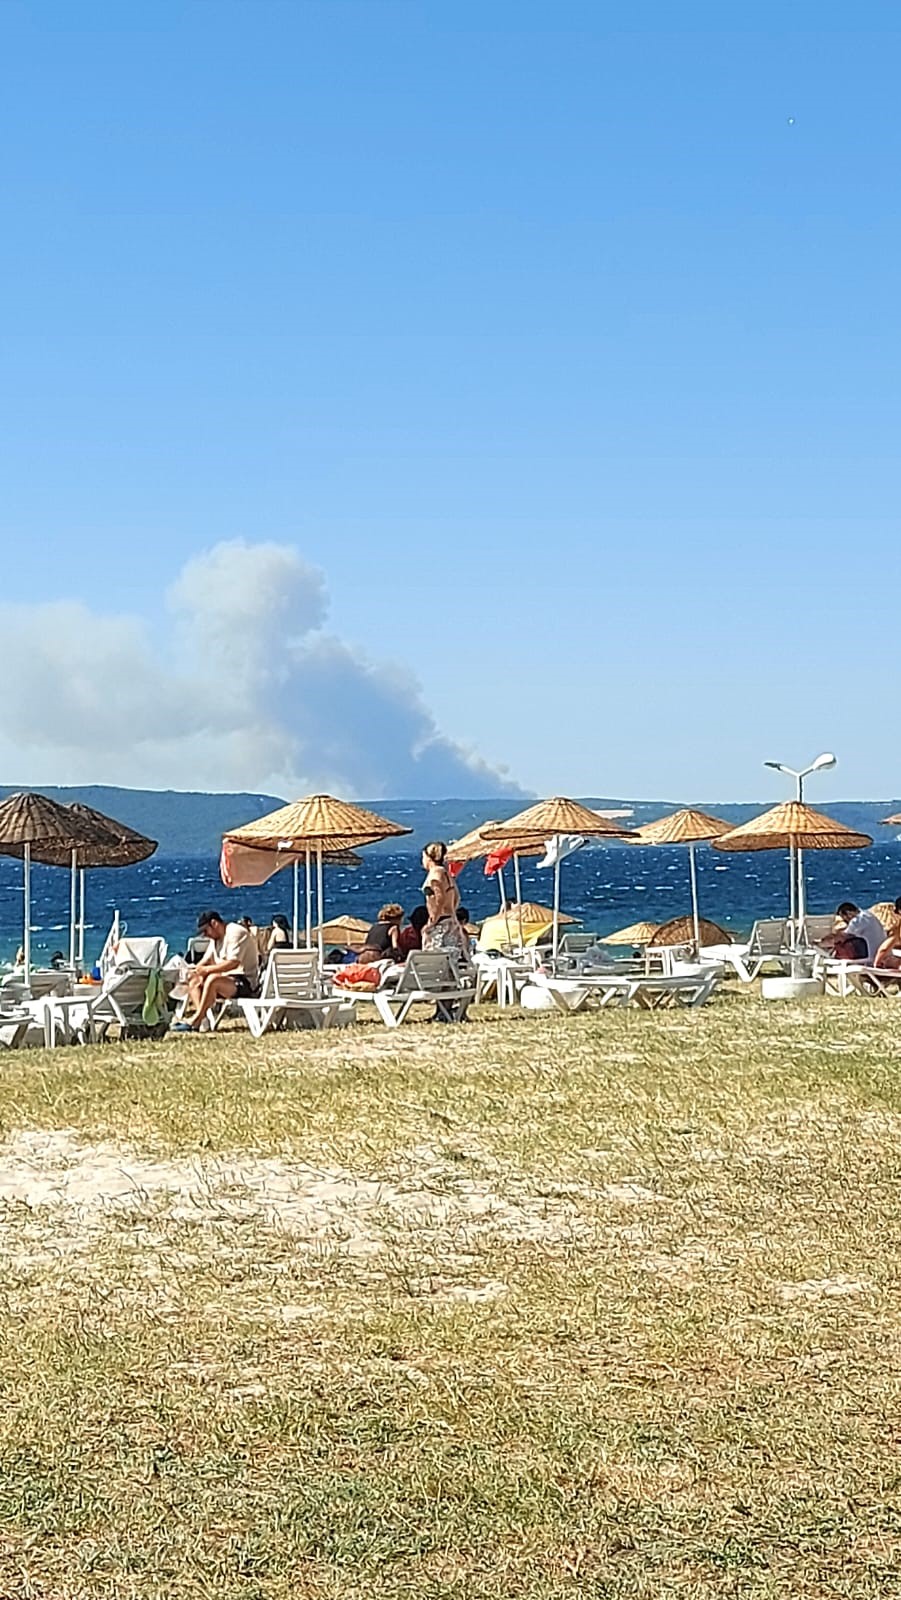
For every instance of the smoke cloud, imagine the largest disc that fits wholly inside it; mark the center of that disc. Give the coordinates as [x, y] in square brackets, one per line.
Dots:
[247, 689]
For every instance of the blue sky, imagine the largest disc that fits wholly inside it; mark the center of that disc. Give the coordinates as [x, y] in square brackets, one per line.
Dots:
[561, 340]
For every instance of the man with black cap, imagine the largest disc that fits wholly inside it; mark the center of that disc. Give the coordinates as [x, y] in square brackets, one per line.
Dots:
[228, 971]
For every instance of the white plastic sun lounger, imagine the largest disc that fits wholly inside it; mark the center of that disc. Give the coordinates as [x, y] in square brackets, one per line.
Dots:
[291, 995]
[646, 992]
[429, 977]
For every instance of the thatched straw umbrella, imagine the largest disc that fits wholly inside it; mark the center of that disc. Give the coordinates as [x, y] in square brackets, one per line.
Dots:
[116, 845]
[36, 828]
[102, 842]
[638, 934]
[348, 931]
[686, 827]
[796, 827]
[886, 913]
[547, 818]
[684, 930]
[317, 825]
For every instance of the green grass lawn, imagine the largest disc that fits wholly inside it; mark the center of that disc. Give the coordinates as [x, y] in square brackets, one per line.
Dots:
[601, 1306]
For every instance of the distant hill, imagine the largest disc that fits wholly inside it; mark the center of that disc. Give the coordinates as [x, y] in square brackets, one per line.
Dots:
[192, 824]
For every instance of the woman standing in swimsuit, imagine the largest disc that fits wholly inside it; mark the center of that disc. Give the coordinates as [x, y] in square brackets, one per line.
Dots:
[442, 897]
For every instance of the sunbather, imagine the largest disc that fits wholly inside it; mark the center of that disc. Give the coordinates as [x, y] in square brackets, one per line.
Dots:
[382, 940]
[887, 955]
[228, 970]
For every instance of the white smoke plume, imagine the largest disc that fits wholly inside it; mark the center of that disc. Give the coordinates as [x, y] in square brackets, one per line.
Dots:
[246, 690]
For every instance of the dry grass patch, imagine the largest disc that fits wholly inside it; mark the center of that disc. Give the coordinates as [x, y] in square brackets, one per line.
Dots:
[601, 1306]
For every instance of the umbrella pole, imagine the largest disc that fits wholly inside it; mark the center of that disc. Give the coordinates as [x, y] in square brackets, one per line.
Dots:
[518, 885]
[502, 887]
[81, 916]
[26, 937]
[296, 897]
[799, 857]
[308, 890]
[321, 917]
[73, 887]
[556, 906]
[693, 870]
[793, 893]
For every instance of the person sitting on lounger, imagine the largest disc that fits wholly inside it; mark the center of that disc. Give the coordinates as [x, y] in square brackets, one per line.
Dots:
[228, 971]
[860, 934]
[410, 937]
[383, 938]
[887, 955]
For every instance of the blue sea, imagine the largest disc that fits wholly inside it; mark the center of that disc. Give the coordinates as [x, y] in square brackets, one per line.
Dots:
[605, 886]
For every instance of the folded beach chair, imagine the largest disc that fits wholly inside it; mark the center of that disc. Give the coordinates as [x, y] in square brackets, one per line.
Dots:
[291, 995]
[429, 977]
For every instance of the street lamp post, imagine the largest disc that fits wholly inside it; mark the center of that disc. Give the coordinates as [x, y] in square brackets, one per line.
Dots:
[796, 862]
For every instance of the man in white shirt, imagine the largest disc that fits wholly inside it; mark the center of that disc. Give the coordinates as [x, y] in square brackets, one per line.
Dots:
[860, 936]
[229, 970]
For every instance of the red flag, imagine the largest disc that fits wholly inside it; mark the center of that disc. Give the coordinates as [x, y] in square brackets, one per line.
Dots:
[497, 859]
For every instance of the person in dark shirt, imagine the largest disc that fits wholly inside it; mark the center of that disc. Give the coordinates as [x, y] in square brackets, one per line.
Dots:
[383, 938]
[410, 937]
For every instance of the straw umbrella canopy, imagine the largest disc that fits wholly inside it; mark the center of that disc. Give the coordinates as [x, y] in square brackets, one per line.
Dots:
[637, 933]
[348, 931]
[685, 930]
[690, 827]
[318, 822]
[892, 822]
[475, 845]
[116, 845]
[317, 825]
[795, 826]
[35, 828]
[555, 816]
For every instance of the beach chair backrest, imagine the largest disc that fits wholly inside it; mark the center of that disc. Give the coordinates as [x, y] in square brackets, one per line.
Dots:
[815, 929]
[428, 972]
[768, 937]
[129, 988]
[576, 944]
[148, 953]
[292, 975]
